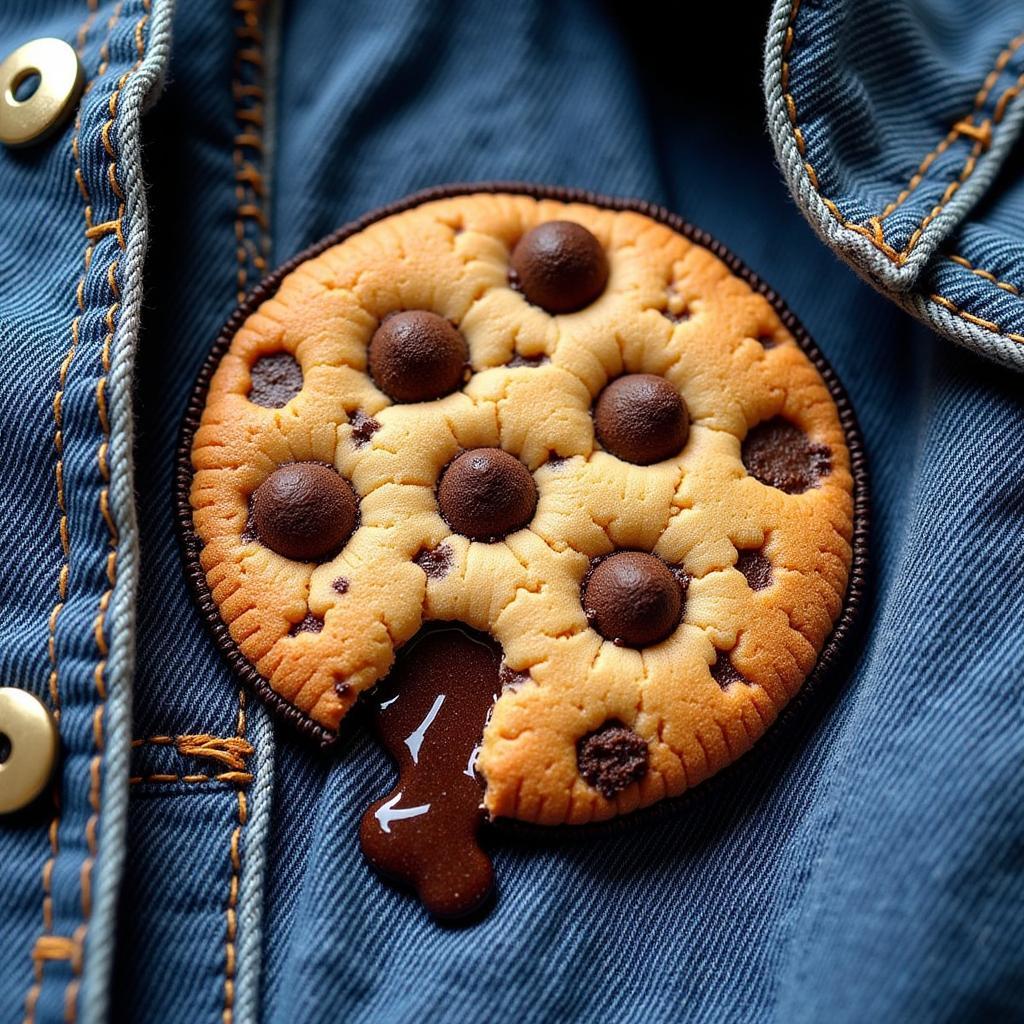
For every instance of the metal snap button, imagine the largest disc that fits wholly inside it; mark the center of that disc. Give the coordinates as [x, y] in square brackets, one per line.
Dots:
[28, 748]
[55, 69]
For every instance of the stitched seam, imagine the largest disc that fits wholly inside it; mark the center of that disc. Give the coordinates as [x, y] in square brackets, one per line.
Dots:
[981, 133]
[229, 751]
[252, 248]
[965, 126]
[168, 741]
[250, 187]
[44, 949]
[99, 624]
[241, 778]
[977, 321]
[231, 911]
[986, 275]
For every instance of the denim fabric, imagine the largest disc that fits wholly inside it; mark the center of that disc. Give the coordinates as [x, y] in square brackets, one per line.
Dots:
[75, 239]
[864, 862]
[898, 125]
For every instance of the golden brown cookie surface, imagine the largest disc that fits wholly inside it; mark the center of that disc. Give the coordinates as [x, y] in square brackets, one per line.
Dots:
[646, 501]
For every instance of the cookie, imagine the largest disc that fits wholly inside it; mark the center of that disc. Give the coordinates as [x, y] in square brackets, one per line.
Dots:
[579, 433]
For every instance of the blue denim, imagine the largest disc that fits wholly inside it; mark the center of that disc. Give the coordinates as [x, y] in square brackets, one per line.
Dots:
[898, 126]
[864, 862]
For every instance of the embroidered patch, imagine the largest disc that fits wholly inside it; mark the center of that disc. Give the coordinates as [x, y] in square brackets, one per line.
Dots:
[488, 409]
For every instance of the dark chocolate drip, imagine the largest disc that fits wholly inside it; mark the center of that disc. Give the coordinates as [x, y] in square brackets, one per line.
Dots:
[430, 714]
[512, 679]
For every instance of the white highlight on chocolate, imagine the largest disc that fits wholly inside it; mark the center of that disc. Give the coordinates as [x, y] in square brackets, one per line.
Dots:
[473, 754]
[388, 813]
[415, 740]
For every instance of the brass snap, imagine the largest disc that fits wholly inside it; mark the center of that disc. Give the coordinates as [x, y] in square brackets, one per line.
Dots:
[30, 114]
[28, 748]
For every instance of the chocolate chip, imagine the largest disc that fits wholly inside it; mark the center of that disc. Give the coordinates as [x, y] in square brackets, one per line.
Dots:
[756, 568]
[249, 533]
[486, 494]
[518, 360]
[612, 758]
[435, 562]
[310, 624]
[363, 428]
[724, 672]
[559, 266]
[417, 356]
[633, 598]
[780, 454]
[304, 511]
[642, 419]
[340, 585]
[275, 380]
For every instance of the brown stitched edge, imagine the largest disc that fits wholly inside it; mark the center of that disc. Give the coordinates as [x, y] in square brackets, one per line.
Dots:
[856, 588]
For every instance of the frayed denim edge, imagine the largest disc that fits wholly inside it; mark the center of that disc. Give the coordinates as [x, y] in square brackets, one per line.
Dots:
[101, 937]
[856, 250]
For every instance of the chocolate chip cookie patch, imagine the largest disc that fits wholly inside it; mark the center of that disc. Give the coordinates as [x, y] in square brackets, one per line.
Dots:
[576, 427]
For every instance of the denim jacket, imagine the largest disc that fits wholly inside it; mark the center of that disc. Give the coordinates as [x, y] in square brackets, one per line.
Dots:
[196, 861]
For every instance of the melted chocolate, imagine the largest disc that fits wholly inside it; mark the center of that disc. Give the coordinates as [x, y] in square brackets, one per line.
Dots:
[430, 714]
[511, 679]
[780, 454]
[725, 673]
[435, 562]
[363, 428]
[518, 360]
[756, 569]
[310, 624]
[612, 758]
[276, 380]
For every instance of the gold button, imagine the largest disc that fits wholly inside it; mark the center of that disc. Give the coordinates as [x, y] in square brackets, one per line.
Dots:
[28, 748]
[60, 79]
